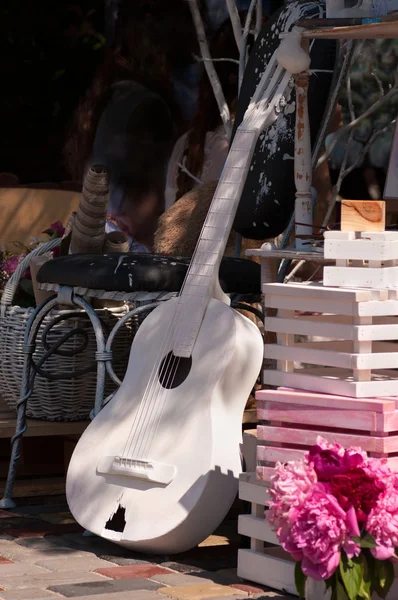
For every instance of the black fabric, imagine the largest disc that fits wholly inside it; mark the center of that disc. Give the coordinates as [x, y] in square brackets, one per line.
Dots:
[267, 201]
[133, 272]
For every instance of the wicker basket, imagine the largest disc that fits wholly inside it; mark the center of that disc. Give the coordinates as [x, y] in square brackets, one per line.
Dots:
[67, 392]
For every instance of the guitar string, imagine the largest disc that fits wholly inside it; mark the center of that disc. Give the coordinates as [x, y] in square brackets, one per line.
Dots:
[171, 370]
[270, 106]
[175, 367]
[147, 439]
[150, 392]
[157, 415]
[151, 385]
[153, 379]
[154, 383]
[152, 425]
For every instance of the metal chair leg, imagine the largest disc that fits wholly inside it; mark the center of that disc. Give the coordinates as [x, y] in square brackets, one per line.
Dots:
[27, 383]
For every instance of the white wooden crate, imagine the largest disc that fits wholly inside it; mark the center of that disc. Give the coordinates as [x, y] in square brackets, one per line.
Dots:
[342, 345]
[363, 259]
[265, 562]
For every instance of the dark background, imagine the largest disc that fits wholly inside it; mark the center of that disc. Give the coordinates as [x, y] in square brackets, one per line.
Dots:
[49, 51]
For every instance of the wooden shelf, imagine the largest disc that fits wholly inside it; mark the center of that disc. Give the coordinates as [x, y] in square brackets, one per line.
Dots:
[37, 428]
[384, 30]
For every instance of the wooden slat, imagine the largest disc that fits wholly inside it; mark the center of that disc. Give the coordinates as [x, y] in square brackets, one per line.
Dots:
[256, 528]
[329, 417]
[345, 360]
[361, 277]
[329, 381]
[38, 428]
[384, 30]
[311, 304]
[270, 568]
[311, 290]
[274, 454]
[361, 249]
[331, 330]
[324, 417]
[252, 490]
[305, 437]
[43, 486]
[289, 395]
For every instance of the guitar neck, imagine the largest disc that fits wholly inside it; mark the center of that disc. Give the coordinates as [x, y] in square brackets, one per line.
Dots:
[202, 274]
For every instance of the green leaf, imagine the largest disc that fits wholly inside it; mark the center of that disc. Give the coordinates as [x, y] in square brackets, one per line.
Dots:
[365, 591]
[299, 580]
[351, 571]
[384, 577]
[365, 541]
[341, 594]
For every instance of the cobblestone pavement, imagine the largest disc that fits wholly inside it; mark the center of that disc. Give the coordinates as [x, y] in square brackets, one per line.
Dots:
[43, 555]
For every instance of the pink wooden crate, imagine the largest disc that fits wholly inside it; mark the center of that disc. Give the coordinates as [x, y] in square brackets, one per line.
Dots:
[294, 419]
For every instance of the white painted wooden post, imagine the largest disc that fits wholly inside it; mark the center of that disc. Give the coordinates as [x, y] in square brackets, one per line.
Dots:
[302, 162]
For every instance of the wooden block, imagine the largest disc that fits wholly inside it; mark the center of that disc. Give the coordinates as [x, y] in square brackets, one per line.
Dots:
[363, 215]
[290, 395]
[273, 567]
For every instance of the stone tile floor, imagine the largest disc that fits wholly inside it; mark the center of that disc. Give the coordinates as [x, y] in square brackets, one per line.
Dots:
[43, 555]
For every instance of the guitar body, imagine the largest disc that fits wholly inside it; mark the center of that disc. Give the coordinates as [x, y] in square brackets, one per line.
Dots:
[194, 427]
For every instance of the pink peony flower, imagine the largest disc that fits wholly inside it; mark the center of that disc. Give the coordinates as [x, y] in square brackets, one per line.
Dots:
[290, 486]
[359, 489]
[317, 532]
[378, 468]
[330, 460]
[382, 521]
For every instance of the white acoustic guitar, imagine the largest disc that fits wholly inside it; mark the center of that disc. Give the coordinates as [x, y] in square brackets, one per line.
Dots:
[157, 469]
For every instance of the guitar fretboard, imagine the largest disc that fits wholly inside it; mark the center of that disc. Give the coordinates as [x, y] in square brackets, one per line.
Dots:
[203, 271]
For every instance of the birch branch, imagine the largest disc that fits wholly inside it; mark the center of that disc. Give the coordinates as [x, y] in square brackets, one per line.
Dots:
[259, 17]
[343, 130]
[210, 70]
[200, 59]
[346, 171]
[235, 20]
[243, 47]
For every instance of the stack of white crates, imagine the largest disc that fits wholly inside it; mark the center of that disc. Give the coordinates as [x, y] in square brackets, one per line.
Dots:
[336, 375]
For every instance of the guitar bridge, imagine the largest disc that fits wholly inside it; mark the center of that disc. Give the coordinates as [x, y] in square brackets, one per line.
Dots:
[139, 469]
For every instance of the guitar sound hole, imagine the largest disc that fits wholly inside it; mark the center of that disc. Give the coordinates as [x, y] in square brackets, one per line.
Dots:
[174, 370]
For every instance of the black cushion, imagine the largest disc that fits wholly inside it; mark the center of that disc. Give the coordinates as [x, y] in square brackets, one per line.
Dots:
[133, 272]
